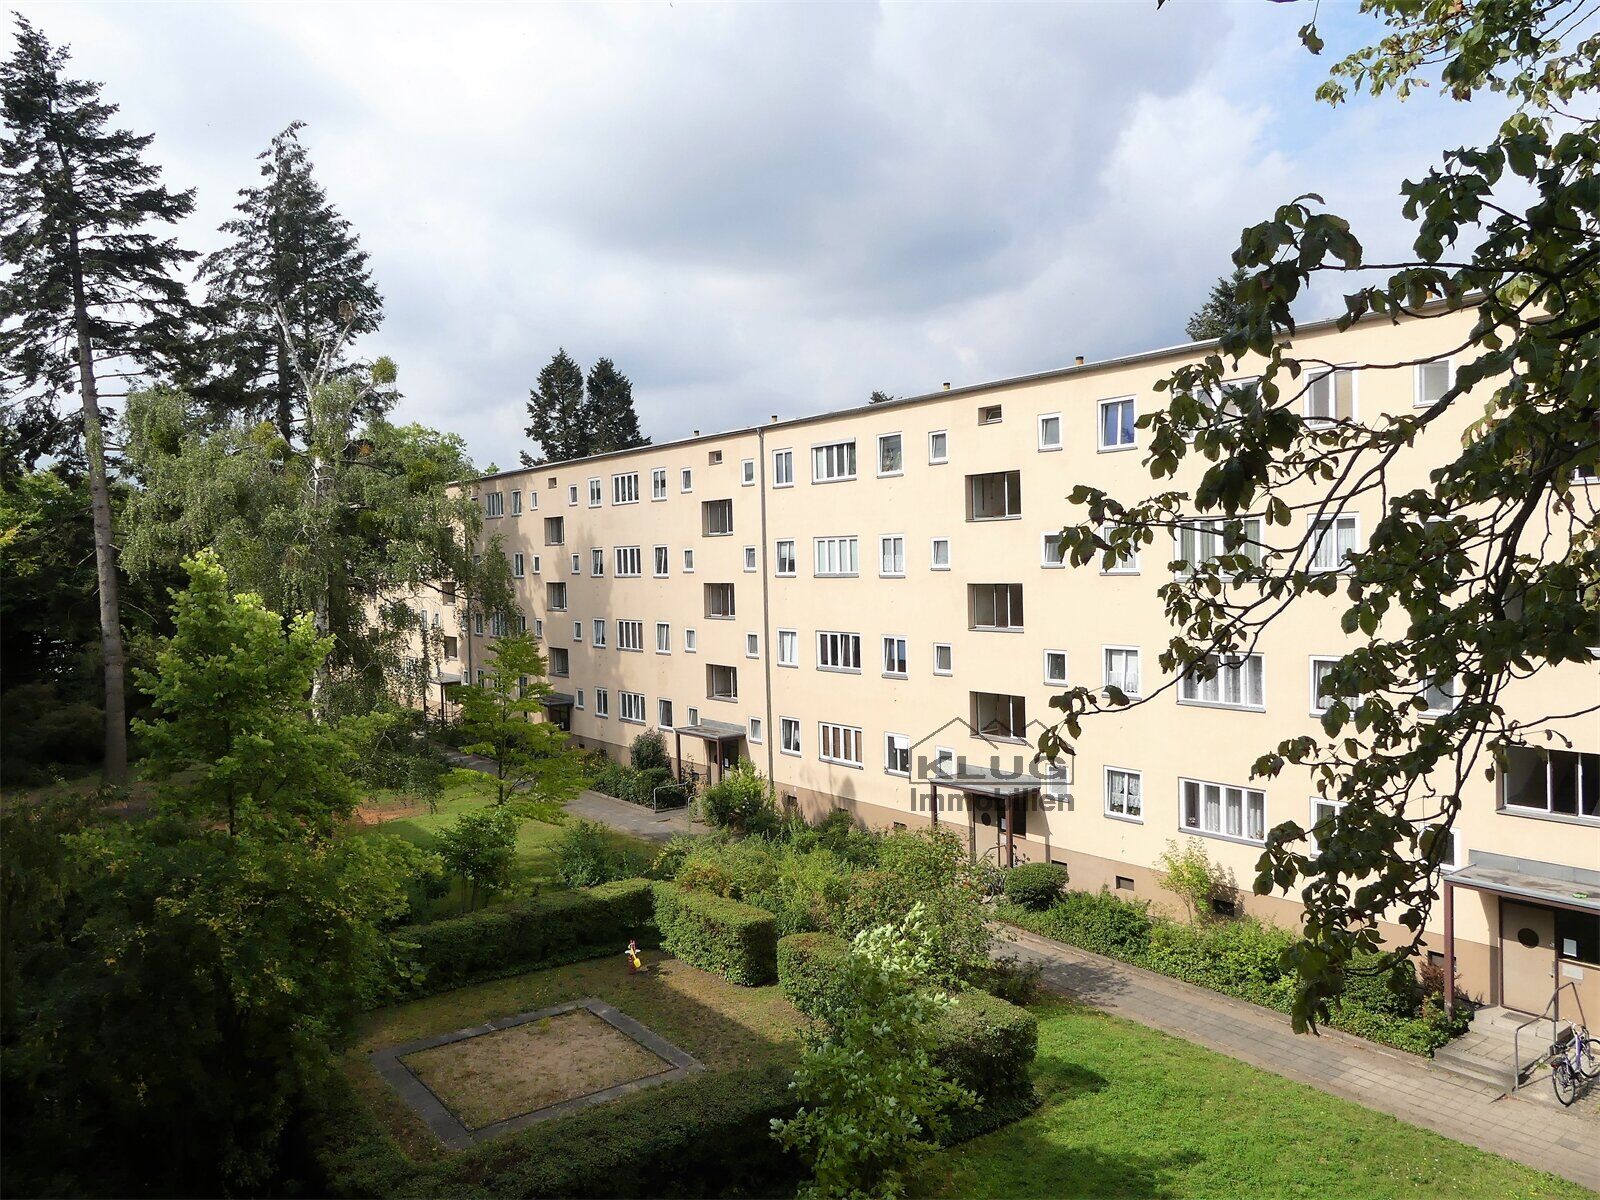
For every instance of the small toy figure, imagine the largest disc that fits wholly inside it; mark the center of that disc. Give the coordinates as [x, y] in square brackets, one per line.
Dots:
[635, 965]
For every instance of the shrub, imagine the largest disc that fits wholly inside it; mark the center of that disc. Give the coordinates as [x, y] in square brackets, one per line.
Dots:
[1189, 872]
[646, 782]
[649, 752]
[556, 928]
[734, 940]
[586, 855]
[1098, 921]
[837, 833]
[479, 849]
[613, 779]
[1035, 885]
[811, 972]
[1014, 980]
[987, 1045]
[670, 858]
[1381, 984]
[801, 889]
[741, 801]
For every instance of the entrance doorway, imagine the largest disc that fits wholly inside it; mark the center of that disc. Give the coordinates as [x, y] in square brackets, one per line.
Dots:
[1527, 956]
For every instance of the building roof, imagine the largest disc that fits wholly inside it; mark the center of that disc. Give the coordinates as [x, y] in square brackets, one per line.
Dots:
[1527, 879]
[711, 731]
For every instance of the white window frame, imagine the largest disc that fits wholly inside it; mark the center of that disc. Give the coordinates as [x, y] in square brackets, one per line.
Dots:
[1210, 540]
[756, 733]
[896, 746]
[896, 649]
[1200, 829]
[752, 645]
[631, 708]
[1316, 377]
[846, 737]
[664, 714]
[1046, 539]
[1191, 688]
[658, 486]
[691, 642]
[597, 562]
[1044, 446]
[888, 543]
[663, 637]
[1318, 707]
[822, 453]
[933, 554]
[660, 562]
[577, 631]
[789, 648]
[625, 487]
[572, 495]
[518, 566]
[576, 563]
[1124, 566]
[750, 560]
[878, 464]
[577, 699]
[777, 559]
[950, 653]
[686, 480]
[688, 560]
[935, 459]
[516, 502]
[494, 504]
[1048, 678]
[837, 552]
[783, 467]
[1419, 375]
[630, 635]
[789, 740]
[599, 638]
[1105, 667]
[1319, 537]
[1100, 425]
[602, 703]
[747, 472]
[1320, 802]
[597, 491]
[835, 645]
[1106, 792]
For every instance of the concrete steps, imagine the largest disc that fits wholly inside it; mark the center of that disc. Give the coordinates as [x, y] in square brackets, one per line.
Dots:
[1486, 1053]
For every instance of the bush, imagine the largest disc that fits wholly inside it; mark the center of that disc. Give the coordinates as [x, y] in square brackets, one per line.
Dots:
[557, 928]
[646, 782]
[837, 833]
[479, 849]
[988, 1045]
[1035, 885]
[1097, 921]
[649, 752]
[613, 779]
[1380, 984]
[734, 940]
[811, 972]
[586, 855]
[741, 802]
[1189, 872]
[1014, 980]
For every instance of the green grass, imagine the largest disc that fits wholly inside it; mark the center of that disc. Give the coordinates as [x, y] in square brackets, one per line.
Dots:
[1131, 1112]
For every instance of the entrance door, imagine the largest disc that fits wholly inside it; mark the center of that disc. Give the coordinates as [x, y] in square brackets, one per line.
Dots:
[1527, 956]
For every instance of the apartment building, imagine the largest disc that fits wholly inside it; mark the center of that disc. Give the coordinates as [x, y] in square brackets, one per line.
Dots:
[869, 604]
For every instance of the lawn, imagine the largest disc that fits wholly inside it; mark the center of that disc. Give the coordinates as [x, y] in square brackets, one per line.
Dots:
[1131, 1112]
[722, 1025]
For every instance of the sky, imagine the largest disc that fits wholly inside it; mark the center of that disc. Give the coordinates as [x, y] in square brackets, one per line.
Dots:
[765, 209]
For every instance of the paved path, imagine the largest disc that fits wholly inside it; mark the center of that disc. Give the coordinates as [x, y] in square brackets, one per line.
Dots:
[1410, 1088]
[633, 818]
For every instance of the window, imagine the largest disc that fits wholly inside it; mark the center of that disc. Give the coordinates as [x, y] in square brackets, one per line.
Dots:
[789, 735]
[494, 504]
[994, 715]
[538, 628]
[451, 647]
[747, 472]
[602, 702]
[497, 624]
[1050, 553]
[688, 561]
[694, 715]
[535, 564]
[555, 531]
[447, 591]
[994, 606]
[787, 563]
[839, 744]
[939, 554]
[1122, 669]
[597, 562]
[1333, 540]
[1124, 794]
[686, 480]
[783, 468]
[1321, 698]
[835, 557]
[716, 518]
[664, 713]
[838, 651]
[1324, 815]
[788, 648]
[834, 461]
[894, 657]
[577, 699]
[989, 414]
[560, 661]
[658, 491]
[1447, 852]
[722, 683]
[892, 555]
[630, 636]
[1433, 380]
[596, 493]
[1221, 810]
[1236, 682]
[572, 494]
[1578, 935]
[1441, 696]
[1229, 400]
[577, 631]
[577, 565]
[663, 638]
[599, 638]
[752, 645]
[1125, 883]
[517, 566]
[659, 554]
[714, 458]
[1331, 396]
[630, 562]
[996, 496]
[1055, 666]
[1126, 563]
[516, 503]
[897, 754]
[1197, 542]
[755, 730]
[1050, 431]
[625, 490]
[1558, 782]
[938, 447]
[719, 601]
[556, 597]
[943, 659]
[891, 456]
[1116, 423]
[749, 558]
[631, 707]
[690, 641]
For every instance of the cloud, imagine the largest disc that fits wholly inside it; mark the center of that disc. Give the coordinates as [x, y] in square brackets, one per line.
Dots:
[757, 209]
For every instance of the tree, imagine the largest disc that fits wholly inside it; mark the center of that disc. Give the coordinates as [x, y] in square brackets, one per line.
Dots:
[1220, 310]
[89, 285]
[292, 281]
[872, 1102]
[1487, 571]
[609, 413]
[879, 398]
[529, 756]
[556, 417]
[480, 849]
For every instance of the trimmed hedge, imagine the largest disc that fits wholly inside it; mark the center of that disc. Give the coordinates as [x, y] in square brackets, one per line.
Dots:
[709, 1135]
[734, 940]
[557, 928]
[809, 971]
[1035, 885]
[988, 1045]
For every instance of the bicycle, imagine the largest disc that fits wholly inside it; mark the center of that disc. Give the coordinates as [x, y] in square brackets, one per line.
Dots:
[1574, 1057]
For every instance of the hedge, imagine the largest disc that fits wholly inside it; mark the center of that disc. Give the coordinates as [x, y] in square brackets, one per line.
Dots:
[809, 971]
[709, 1135]
[1237, 958]
[734, 940]
[553, 929]
[988, 1045]
[1035, 885]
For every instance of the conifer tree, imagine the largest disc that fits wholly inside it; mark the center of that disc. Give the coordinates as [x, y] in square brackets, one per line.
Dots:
[556, 419]
[612, 422]
[1216, 316]
[90, 292]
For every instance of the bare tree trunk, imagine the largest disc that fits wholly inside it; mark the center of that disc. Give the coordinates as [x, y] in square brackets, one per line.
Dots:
[114, 660]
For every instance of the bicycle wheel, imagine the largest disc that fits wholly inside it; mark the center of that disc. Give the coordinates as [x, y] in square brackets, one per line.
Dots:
[1589, 1058]
[1563, 1080]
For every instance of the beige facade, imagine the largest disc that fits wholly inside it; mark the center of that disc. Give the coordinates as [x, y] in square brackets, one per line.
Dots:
[793, 552]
